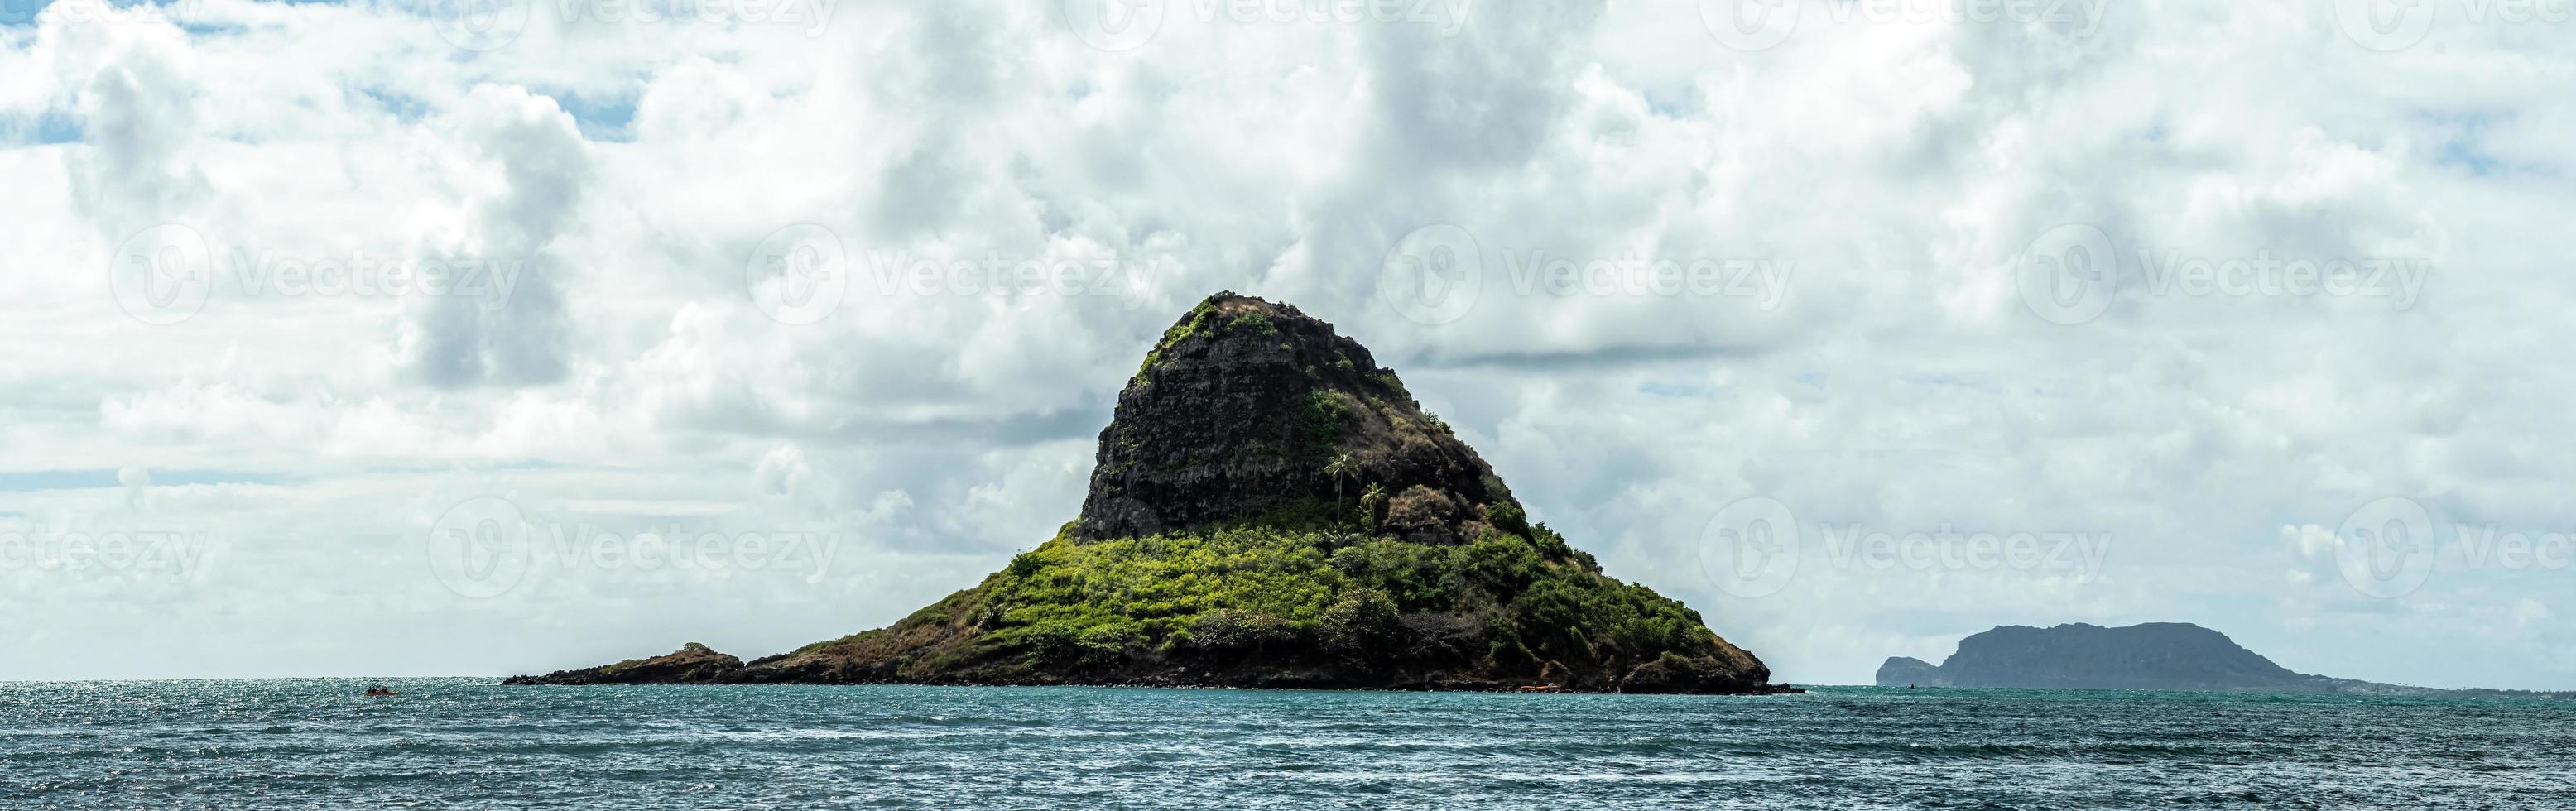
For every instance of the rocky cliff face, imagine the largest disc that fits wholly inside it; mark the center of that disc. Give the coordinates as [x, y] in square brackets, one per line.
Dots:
[1248, 408]
[1272, 509]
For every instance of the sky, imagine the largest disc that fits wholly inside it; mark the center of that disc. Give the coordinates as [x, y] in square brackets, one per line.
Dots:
[478, 337]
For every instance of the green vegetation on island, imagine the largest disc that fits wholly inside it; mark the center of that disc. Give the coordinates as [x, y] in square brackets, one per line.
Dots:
[1272, 509]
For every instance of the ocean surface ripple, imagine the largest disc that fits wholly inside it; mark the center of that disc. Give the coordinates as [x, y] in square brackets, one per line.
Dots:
[470, 744]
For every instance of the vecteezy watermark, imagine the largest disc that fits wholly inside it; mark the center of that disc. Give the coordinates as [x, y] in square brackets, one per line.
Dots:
[1754, 547]
[1751, 549]
[176, 554]
[1123, 25]
[164, 275]
[2072, 274]
[801, 273]
[486, 25]
[106, 12]
[484, 547]
[1435, 275]
[2396, 25]
[996, 275]
[1760, 25]
[2388, 547]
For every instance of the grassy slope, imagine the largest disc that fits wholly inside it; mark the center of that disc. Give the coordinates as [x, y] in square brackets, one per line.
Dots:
[1297, 592]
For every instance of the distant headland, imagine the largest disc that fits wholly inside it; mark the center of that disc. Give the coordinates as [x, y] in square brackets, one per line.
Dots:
[2147, 656]
[1270, 508]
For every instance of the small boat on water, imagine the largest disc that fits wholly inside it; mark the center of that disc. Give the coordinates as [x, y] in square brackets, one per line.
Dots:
[380, 691]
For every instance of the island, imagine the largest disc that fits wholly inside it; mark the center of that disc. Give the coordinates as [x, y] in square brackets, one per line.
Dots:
[2146, 656]
[1270, 508]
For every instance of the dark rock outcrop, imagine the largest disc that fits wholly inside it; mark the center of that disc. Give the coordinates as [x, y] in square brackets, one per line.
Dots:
[1243, 409]
[1907, 671]
[1272, 509]
[693, 663]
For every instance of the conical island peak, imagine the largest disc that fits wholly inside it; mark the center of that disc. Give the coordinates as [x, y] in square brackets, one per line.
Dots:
[1271, 508]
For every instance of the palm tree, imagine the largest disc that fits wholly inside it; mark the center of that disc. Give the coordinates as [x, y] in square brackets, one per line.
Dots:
[1370, 498]
[1342, 466]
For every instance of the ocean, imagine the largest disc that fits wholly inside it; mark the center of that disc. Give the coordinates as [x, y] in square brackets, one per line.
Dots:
[470, 744]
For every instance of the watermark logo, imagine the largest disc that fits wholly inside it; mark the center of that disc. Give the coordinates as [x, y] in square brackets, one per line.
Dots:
[1436, 274]
[1948, 548]
[1125, 25]
[481, 548]
[1433, 275]
[2069, 275]
[1114, 25]
[2386, 548]
[162, 275]
[165, 274]
[899, 272]
[2385, 25]
[480, 25]
[484, 547]
[2072, 274]
[2390, 548]
[176, 554]
[1754, 547]
[802, 273]
[799, 274]
[489, 25]
[2396, 25]
[1751, 549]
[1749, 25]
[1760, 25]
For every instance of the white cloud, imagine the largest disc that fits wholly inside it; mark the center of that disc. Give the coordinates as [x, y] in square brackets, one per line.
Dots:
[1899, 171]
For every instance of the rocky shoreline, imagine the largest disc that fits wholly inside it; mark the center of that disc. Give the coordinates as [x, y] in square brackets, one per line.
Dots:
[738, 674]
